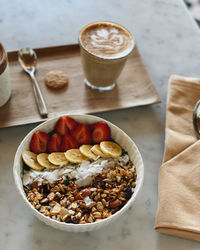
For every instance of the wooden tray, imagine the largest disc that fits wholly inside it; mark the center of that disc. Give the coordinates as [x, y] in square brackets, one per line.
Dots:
[134, 88]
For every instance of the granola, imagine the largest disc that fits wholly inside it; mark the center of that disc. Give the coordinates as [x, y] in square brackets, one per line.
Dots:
[65, 201]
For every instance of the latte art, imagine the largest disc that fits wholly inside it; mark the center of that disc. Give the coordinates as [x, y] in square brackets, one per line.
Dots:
[104, 49]
[106, 40]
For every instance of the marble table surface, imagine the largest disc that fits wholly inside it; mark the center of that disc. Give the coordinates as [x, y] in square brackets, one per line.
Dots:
[169, 42]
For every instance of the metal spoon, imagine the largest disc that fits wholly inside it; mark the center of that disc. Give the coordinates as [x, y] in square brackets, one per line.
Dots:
[28, 59]
[196, 119]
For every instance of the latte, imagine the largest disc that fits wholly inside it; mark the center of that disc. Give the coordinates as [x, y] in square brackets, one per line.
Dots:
[107, 40]
[104, 48]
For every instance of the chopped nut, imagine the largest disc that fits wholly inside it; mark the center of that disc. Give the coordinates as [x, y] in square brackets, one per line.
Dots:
[52, 203]
[45, 200]
[133, 184]
[63, 202]
[58, 195]
[97, 197]
[85, 217]
[94, 209]
[38, 206]
[83, 193]
[43, 209]
[56, 209]
[64, 213]
[30, 196]
[74, 205]
[105, 203]
[39, 196]
[55, 189]
[78, 216]
[71, 212]
[97, 215]
[115, 203]
[92, 204]
[51, 196]
[35, 201]
[99, 206]
[103, 195]
[90, 219]
[58, 218]
[106, 214]
[118, 178]
[71, 198]
[61, 188]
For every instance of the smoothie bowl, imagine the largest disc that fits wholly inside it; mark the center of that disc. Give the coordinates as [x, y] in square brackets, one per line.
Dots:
[78, 173]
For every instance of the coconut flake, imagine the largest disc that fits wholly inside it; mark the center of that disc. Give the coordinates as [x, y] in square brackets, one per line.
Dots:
[87, 201]
[83, 174]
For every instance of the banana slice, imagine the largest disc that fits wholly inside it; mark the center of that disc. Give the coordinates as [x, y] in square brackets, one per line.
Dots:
[86, 151]
[110, 148]
[97, 151]
[58, 158]
[43, 161]
[30, 159]
[74, 156]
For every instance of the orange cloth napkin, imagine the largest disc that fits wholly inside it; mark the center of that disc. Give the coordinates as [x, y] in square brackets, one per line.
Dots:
[179, 176]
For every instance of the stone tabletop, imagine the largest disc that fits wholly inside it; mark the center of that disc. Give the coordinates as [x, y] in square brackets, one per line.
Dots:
[169, 42]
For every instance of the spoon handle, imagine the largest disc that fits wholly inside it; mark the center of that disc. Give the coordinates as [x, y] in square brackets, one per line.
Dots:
[39, 98]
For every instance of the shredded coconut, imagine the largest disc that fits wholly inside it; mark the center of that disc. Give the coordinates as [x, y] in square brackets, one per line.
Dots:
[82, 173]
[87, 201]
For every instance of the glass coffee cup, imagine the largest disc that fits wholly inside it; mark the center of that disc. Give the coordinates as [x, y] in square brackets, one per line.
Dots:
[105, 47]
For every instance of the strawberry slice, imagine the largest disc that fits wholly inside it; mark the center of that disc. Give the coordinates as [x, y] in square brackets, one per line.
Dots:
[38, 143]
[101, 132]
[54, 143]
[92, 126]
[68, 142]
[64, 124]
[82, 134]
[61, 126]
[71, 123]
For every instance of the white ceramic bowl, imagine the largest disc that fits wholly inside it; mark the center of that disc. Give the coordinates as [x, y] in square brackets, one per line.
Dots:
[118, 135]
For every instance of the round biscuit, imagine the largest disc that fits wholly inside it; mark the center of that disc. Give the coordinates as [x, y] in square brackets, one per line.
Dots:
[56, 79]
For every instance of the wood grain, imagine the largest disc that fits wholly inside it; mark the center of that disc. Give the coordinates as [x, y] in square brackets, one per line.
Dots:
[134, 88]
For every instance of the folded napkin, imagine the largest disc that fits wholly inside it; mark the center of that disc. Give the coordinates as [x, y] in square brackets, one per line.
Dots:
[179, 176]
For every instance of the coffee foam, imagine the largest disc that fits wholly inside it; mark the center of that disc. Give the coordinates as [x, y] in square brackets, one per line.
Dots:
[107, 40]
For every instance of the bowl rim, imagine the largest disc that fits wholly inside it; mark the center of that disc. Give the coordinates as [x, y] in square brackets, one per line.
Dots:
[62, 225]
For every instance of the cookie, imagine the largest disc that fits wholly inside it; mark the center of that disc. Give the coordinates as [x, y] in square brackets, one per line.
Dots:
[56, 79]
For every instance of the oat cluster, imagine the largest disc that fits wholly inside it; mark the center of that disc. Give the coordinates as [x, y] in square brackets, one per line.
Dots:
[66, 202]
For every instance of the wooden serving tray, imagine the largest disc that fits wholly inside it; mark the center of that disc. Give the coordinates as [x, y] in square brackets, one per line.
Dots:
[134, 87]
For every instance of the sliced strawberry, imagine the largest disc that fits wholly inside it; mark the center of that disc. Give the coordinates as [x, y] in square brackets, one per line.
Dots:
[82, 134]
[101, 132]
[92, 126]
[54, 143]
[68, 142]
[38, 143]
[71, 123]
[61, 126]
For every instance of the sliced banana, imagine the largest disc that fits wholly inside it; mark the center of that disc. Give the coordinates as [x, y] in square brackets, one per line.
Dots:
[110, 148]
[75, 156]
[86, 151]
[30, 159]
[97, 151]
[43, 161]
[58, 158]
